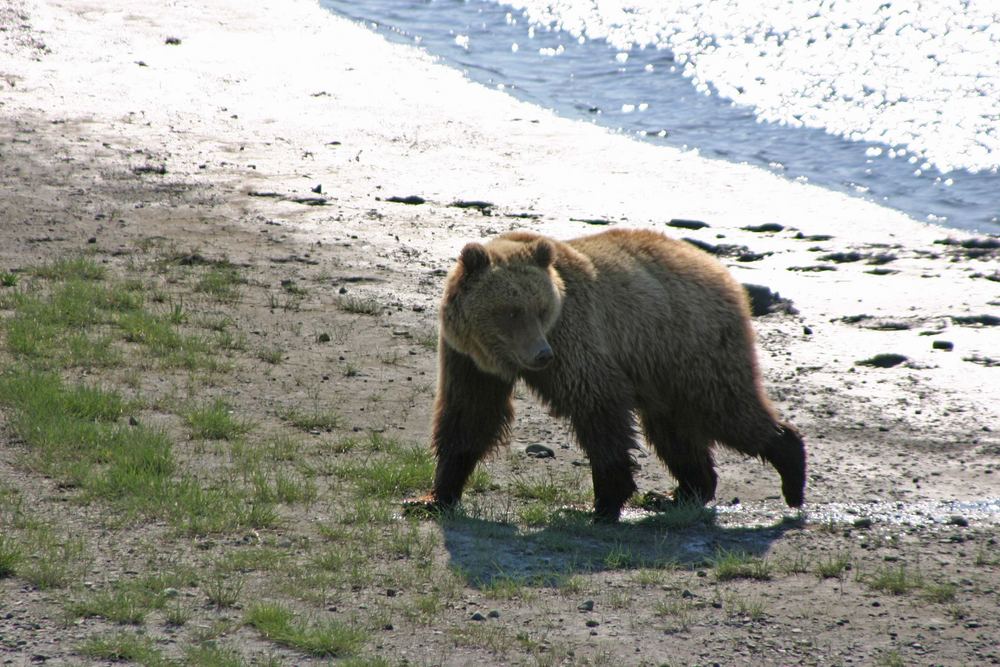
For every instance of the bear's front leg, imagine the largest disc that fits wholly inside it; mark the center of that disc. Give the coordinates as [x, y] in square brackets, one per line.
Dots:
[472, 415]
[607, 435]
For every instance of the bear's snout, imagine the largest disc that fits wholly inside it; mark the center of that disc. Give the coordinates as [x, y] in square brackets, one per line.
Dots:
[543, 357]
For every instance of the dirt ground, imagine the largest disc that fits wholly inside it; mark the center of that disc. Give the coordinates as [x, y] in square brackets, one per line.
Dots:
[904, 461]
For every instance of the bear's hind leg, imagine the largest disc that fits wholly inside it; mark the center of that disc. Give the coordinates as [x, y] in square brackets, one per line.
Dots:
[687, 456]
[608, 438]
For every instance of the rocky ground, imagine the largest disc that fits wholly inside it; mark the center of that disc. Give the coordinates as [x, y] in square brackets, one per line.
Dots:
[339, 175]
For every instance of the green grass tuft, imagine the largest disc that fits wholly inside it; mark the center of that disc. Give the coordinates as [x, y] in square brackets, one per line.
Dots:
[278, 624]
[740, 565]
[215, 422]
[81, 268]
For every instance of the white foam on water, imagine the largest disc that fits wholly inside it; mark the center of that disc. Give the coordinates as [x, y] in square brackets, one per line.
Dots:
[924, 75]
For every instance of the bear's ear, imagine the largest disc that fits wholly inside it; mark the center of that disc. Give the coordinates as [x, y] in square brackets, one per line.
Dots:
[474, 258]
[543, 253]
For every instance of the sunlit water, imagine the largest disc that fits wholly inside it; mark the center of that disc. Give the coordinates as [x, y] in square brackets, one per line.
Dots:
[898, 102]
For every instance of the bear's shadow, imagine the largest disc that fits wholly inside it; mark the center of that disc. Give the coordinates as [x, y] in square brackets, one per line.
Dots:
[488, 553]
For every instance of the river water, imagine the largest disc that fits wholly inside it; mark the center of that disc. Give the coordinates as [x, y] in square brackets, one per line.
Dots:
[897, 102]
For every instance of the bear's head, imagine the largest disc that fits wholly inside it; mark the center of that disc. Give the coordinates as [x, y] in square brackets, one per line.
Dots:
[500, 302]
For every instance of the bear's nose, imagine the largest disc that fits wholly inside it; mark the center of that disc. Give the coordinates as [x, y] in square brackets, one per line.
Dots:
[544, 357]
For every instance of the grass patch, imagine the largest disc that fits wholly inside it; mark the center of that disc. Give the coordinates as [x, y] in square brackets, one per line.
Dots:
[124, 647]
[731, 565]
[10, 555]
[80, 268]
[408, 468]
[359, 305]
[273, 355]
[222, 281]
[8, 279]
[52, 560]
[895, 580]
[312, 420]
[215, 421]
[833, 567]
[279, 624]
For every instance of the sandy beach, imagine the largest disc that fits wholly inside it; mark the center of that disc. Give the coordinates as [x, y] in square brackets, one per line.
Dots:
[278, 136]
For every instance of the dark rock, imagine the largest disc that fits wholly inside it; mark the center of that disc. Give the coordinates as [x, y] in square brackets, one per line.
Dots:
[882, 272]
[984, 320]
[886, 360]
[586, 605]
[687, 224]
[591, 623]
[537, 451]
[818, 267]
[943, 345]
[412, 200]
[172, 41]
[703, 245]
[807, 330]
[766, 227]
[882, 258]
[958, 520]
[484, 207]
[864, 523]
[989, 362]
[763, 301]
[92, 239]
[309, 201]
[323, 338]
[494, 613]
[478, 617]
[817, 238]
[751, 256]
[843, 257]
[592, 221]
[318, 189]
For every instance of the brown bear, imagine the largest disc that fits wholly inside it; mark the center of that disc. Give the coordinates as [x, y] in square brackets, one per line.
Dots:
[604, 328]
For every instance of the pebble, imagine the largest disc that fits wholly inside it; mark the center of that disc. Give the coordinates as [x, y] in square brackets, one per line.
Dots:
[478, 617]
[587, 605]
[943, 345]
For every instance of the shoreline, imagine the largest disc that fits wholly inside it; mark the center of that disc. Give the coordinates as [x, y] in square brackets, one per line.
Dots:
[387, 121]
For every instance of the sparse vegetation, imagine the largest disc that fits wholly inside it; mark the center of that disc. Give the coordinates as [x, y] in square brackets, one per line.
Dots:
[730, 565]
[278, 624]
[128, 399]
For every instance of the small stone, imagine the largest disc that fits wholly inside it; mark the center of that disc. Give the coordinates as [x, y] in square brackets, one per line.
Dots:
[478, 617]
[687, 594]
[390, 592]
[864, 523]
[538, 451]
[387, 626]
[958, 520]
[342, 290]
[170, 592]
[92, 239]
[132, 421]
[887, 360]
[807, 330]
[494, 613]
[591, 623]
[587, 605]
[946, 345]
[323, 338]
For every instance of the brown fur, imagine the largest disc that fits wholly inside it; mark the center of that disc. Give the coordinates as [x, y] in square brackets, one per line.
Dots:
[604, 328]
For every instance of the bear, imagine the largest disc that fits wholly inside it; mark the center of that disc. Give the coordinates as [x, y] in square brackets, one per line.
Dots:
[605, 330]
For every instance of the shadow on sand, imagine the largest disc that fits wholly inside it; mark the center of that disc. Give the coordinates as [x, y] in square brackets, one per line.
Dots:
[488, 552]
